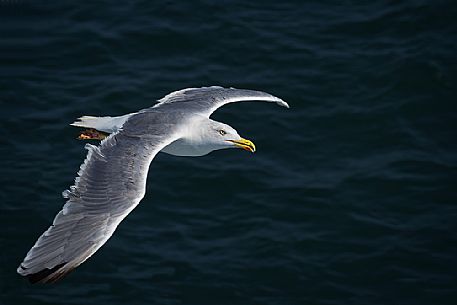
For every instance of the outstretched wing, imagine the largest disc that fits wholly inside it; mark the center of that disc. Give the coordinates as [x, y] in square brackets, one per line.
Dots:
[110, 184]
[206, 100]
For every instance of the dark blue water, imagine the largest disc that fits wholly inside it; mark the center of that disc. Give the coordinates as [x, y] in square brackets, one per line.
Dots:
[350, 199]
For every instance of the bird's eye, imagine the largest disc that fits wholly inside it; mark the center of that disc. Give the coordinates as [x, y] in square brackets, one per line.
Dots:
[222, 132]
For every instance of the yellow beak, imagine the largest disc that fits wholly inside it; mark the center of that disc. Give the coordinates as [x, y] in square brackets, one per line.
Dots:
[244, 144]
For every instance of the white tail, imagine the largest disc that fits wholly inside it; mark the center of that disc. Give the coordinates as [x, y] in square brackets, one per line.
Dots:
[106, 123]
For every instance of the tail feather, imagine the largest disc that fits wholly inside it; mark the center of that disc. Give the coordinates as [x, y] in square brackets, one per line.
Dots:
[106, 124]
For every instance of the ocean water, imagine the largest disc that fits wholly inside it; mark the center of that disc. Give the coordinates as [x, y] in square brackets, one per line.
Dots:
[350, 199]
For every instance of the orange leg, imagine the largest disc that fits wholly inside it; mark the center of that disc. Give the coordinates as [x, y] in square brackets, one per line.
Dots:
[92, 134]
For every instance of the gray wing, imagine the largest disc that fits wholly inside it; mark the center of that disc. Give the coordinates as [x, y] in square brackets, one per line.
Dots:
[206, 100]
[110, 183]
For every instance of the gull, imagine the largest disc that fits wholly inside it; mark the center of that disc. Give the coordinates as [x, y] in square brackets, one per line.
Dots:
[112, 180]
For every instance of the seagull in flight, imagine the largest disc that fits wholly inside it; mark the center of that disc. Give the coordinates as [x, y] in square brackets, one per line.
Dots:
[112, 179]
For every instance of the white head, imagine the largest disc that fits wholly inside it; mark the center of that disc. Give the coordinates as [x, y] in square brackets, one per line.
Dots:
[221, 136]
[205, 135]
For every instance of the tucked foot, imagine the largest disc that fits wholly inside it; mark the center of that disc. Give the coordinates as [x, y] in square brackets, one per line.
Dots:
[92, 134]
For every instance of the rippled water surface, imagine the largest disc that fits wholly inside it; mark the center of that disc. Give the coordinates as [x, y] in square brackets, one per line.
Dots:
[350, 199]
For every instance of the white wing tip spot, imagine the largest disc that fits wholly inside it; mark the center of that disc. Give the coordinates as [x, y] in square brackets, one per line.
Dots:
[282, 103]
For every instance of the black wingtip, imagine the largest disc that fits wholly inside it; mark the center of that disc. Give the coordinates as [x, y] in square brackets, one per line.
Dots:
[43, 276]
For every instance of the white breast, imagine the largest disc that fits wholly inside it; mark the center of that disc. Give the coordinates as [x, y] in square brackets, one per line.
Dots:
[183, 147]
